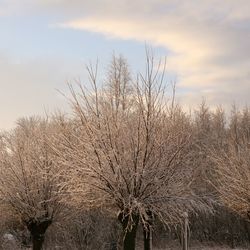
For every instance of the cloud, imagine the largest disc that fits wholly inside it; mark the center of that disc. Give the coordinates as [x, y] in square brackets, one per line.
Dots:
[209, 40]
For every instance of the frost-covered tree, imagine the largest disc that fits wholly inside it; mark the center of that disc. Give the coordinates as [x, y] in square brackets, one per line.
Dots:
[232, 165]
[232, 178]
[29, 177]
[209, 131]
[128, 151]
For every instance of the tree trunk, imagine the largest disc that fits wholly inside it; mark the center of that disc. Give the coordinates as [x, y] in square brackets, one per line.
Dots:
[37, 242]
[247, 229]
[129, 239]
[147, 232]
[247, 226]
[185, 232]
[129, 232]
[37, 230]
[147, 235]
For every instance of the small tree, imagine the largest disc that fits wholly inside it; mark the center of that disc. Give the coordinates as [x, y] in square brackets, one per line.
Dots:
[128, 150]
[29, 182]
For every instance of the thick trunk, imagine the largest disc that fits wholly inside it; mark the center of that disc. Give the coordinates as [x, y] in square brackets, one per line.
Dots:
[129, 231]
[129, 239]
[147, 232]
[37, 242]
[37, 230]
[147, 235]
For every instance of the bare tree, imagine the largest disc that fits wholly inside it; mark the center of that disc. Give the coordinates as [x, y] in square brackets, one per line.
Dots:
[128, 151]
[232, 165]
[29, 179]
[209, 131]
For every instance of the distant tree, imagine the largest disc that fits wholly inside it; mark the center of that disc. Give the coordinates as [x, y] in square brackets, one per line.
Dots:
[232, 165]
[29, 177]
[209, 131]
[128, 151]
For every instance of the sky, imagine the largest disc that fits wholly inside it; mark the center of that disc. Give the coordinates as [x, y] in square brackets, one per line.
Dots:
[45, 43]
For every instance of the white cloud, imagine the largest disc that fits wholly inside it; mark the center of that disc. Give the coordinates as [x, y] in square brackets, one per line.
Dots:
[209, 40]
